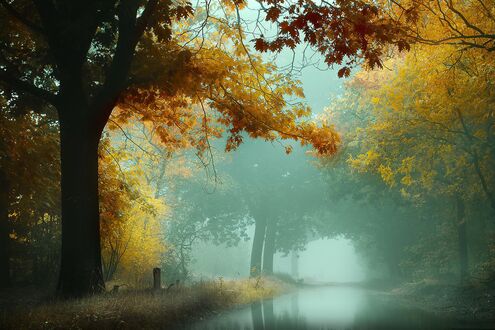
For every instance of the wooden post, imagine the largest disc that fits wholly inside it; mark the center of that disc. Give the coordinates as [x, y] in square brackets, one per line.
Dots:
[157, 281]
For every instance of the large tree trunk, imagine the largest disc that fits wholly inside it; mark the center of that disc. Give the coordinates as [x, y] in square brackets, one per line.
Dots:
[81, 268]
[462, 238]
[4, 232]
[269, 249]
[257, 249]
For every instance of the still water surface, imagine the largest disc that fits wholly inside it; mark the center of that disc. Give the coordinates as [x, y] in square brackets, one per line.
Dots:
[330, 307]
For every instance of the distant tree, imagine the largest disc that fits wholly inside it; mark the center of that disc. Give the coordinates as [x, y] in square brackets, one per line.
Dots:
[29, 177]
[418, 127]
[204, 211]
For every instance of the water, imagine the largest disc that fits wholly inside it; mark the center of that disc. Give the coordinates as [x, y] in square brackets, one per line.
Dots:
[330, 307]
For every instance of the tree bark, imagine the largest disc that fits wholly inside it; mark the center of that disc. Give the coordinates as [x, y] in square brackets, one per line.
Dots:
[257, 249]
[462, 239]
[81, 268]
[4, 232]
[269, 249]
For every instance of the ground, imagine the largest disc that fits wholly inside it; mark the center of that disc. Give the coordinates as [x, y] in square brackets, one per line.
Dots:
[132, 308]
[472, 303]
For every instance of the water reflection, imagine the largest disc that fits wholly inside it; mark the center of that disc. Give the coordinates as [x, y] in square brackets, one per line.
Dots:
[324, 308]
[257, 316]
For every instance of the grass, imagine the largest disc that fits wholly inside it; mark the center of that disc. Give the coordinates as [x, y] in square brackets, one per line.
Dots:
[142, 308]
[472, 301]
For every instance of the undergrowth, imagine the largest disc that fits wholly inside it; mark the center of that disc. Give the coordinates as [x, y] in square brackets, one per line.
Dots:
[142, 308]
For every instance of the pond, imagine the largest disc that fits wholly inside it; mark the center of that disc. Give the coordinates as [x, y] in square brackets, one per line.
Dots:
[327, 307]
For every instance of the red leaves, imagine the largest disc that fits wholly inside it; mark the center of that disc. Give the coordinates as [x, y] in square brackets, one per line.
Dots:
[403, 45]
[260, 45]
[272, 14]
[345, 30]
[182, 12]
[314, 17]
[344, 72]
[284, 27]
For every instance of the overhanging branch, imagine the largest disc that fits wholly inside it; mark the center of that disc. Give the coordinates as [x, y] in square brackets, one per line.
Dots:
[26, 87]
[131, 29]
[18, 16]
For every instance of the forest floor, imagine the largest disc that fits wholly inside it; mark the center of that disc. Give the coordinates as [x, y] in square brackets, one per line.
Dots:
[134, 309]
[470, 304]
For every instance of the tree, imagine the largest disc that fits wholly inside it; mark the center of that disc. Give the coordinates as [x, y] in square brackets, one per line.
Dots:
[204, 211]
[83, 59]
[430, 139]
[29, 178]
[466, 24]
[131, 215]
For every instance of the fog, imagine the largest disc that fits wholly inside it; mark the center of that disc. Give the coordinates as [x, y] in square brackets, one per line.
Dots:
[322, 261]
[326, 261]
[247, 164]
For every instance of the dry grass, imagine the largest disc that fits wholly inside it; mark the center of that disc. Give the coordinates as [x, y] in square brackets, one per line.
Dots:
[141, 308]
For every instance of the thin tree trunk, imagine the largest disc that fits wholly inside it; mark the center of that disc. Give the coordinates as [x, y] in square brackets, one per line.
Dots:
[269, 249]
[462, 237]
[489, 194]
[257, 249]
[294, 264]
[4, 232]
[81, 268]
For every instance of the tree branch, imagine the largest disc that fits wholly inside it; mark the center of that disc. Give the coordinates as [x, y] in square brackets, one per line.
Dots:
[130, 31]
[29, 88]
[18, 16]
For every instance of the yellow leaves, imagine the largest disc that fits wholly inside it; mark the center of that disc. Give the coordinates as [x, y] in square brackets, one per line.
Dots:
[371, 157]
[406, 165]
[130, 212]
[387, 174]
[406, 180]
[231, 4]
[144, 245]
[364, 161]
[427, 179]
[421, 120]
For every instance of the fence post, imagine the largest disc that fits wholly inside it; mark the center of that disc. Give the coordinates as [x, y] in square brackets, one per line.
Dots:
[157, 281]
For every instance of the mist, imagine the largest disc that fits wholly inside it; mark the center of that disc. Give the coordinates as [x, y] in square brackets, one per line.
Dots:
[247, 164]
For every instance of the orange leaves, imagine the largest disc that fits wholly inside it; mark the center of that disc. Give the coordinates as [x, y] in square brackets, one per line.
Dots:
[212, 86]
[324, 138]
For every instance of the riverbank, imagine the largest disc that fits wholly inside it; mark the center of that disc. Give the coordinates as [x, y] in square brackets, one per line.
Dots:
[470, 304]
[140, 308]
